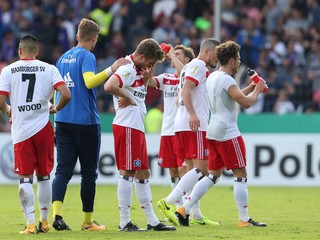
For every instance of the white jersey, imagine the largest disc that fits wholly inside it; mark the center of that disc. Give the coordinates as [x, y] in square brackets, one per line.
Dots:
[131, 81]
[224, 110]
[30, 84]
[169, 84]
[197, 72]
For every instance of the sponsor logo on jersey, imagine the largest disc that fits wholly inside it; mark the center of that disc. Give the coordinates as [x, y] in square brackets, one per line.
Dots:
[170, 94]
[69, 59]
[68, 80]
[137, 163]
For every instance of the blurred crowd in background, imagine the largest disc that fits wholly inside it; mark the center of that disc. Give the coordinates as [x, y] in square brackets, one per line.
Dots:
[278, 38]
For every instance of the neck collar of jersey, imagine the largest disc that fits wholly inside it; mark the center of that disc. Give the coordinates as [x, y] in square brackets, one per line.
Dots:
[25, 59]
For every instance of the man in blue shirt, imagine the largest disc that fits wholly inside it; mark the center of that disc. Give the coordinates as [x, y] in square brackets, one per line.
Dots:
[78, 133]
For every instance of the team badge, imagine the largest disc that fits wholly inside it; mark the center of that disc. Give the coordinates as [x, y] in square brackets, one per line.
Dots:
[206, 152]
[137, 163]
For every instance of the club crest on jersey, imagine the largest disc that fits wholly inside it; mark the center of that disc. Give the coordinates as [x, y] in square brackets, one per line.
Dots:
[126, 75]
[137, 163]
[206, 152]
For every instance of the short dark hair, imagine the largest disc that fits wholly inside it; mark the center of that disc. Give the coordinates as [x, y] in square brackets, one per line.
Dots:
[29, 43]
[208, 44]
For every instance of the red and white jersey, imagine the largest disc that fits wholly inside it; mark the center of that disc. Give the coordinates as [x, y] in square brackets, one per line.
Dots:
[30, 85]
[131, 81]
[224, 110]
[169, 84]
[197, 72]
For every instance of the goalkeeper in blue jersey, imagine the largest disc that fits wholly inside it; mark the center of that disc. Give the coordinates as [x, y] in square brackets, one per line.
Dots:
[78, 133]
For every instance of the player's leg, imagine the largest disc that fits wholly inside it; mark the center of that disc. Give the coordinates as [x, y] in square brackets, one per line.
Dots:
[44, 143]
[67, 156]
[215, 164]
[124, 146]
[237, 157]
[88, 142]
[24, 165]
[168, 159]
[142, 186]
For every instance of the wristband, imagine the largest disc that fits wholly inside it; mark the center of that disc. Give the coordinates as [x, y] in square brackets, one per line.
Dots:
[109, 71]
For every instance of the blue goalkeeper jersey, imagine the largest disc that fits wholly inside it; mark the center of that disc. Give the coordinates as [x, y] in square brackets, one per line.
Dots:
[82, 108]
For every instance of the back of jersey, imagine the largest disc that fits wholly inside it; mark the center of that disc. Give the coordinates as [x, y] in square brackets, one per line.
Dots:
[30, 84]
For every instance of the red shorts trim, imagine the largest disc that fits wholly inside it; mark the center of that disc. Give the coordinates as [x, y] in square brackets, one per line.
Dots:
[230, 154]
[192, 145]
[35, 153]
[167, 153]
[130, 148]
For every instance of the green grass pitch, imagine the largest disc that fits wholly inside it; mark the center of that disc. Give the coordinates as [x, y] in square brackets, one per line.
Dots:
[291, 213]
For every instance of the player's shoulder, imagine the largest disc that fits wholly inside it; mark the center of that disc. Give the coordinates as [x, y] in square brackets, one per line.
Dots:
[196, 63]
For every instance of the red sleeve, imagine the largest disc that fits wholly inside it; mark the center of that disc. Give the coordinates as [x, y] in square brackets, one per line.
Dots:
[120, 81]
[158, 84]
[192, 79]
[58, 84]
[4, 93]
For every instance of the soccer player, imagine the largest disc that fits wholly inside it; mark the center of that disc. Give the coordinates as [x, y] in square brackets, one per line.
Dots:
[226, 146]
[78, 125]
[190, 128]
[169, 83]
[30, 84]
[128, 87]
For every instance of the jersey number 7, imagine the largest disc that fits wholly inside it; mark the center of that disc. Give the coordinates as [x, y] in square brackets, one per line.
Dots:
[32, 82]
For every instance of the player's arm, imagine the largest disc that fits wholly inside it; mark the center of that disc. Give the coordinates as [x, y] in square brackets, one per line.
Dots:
[246, 101]
[4, 107]
[65, 97]
[114, 86]
[93, 80]
[194, 121]
[153, 82]
[177, 64]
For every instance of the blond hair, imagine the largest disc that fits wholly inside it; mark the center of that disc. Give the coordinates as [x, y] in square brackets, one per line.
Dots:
[87, 29]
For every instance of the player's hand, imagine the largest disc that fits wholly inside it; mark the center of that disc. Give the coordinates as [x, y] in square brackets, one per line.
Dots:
[194, 123]
[118, 63]
[8, 111]
[124, 102]
[261, 85]
[52, 109]
[170, 53]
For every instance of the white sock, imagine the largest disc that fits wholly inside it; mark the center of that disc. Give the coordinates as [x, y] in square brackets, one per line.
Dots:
[185, 184]
[240, 190]
[44, 198]
[124, 199]
[174, 183]
[195, 211]
[26, 196]
[199, 190]
[144, 196]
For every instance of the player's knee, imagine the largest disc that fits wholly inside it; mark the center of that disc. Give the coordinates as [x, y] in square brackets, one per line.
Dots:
[213, 178]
